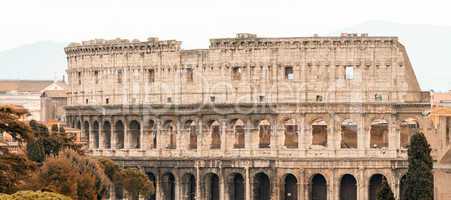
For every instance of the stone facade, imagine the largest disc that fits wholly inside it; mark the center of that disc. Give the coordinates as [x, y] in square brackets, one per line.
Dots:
[251, 118]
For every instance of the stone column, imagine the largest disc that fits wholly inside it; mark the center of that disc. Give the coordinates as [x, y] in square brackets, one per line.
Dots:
[223, 136]
[301, 135]
[142, 142]
[126, 136]
[198, 193]
[301, 185]
[200, 135]
[91, 136]
[221, 184]
[158, 186]
[248, 184]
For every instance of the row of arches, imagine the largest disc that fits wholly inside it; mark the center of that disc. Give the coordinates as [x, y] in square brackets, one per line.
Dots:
[262, 187]
[349, 131]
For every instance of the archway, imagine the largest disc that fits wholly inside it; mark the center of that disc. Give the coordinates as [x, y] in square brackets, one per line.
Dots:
[95, 132]
[289, 191]
[375, 185]
[379, 134]
[318, 189]
[262, 187]
[264, 130]
[402, 188]
[348, 188]
[78, 125]
[319, 133]
[189, 187]
[236, 187]
[211, 187]
[215, 129]
[152, 180]
[118, 191]
[238, 129]
[168, 186]
[119, 136]
[348, 134]
[106, 135]
[135, 135]
[85, 132]
[169, 127]
[407, 128]
[190, 125]
[291, 133]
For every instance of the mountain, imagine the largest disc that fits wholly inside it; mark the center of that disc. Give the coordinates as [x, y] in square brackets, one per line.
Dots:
[428, 46]
[42, 60]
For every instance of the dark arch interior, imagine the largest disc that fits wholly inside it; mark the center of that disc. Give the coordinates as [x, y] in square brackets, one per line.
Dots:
[107, 135]
[402, 188]
[290, 188]
[119, 129]
[135, 132]
[95, 130]
[211, 187]
[348, 188]
[152, 179]
[319, 188]
[262, 189]
[236, 187]
[189, 187]
[168, 186]
[375, 184]
[86, 131]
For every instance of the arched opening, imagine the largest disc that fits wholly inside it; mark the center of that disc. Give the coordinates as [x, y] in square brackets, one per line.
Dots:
[291, 134]
[78, 125]
[348, 188]
[238, 130]
[119, 129]
[85, 135]
[118, 191]
[264, 130]
[236, 187]
[319, 133]
[375, 185]
[262, 187]
[168, 186]
[289, 191]
[135, 135]
[95, 132]
[152, 180]
[348, 134]
[379, 134]
[407, 128]
[318, 189]
[215, 130]
[402, 188]
[211, 187]
[153, 134]
[106, 135]
[171, 132]
[189, 187]
[190, 125]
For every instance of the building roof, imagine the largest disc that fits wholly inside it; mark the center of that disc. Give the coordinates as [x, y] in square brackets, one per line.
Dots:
[23, 85]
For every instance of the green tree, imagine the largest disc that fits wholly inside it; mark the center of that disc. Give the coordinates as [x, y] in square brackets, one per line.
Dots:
[385, 192]
[135, 182]
[15, 170]
[419, 177]
[11, 123]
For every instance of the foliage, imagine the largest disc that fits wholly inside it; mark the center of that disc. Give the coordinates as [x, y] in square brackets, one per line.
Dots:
[14, 171]
[385, 192]
[135, 182]
[419, 178]
[10, 122]
[73, 175]
[30, 195]
[45, 143]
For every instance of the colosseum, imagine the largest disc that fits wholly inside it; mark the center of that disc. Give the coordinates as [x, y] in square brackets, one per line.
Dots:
[252, 118]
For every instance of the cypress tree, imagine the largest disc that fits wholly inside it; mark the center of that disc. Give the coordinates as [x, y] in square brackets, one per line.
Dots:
[385, 192]
[419, 178]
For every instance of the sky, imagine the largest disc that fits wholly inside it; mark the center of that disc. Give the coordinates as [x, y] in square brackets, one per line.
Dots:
[194, 21]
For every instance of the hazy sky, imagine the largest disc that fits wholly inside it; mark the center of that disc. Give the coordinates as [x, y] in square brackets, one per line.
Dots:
[194, 21]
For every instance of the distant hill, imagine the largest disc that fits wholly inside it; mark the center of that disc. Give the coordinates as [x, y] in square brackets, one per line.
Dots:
[42, 60]
[428, 46]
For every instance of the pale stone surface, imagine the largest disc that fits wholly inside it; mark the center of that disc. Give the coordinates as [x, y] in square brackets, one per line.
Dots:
[174, 112]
